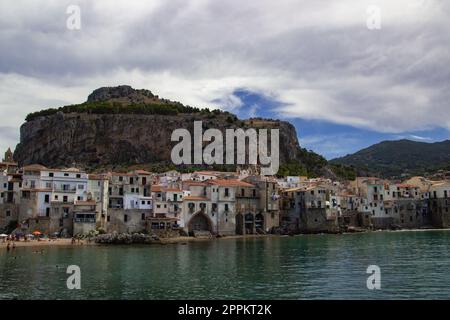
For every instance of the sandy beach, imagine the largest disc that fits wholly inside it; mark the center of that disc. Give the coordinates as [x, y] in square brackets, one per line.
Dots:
[68, 242]
[46, 243]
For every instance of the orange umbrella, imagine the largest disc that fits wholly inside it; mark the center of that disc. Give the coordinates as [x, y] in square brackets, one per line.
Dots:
[37, 233]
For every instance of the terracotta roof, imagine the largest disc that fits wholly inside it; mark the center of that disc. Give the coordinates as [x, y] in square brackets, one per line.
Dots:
[142, 172]
[441, 184]
[173, 190]
[230, 183]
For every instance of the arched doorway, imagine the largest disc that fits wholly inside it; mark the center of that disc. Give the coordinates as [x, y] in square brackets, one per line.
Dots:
[259, 222]
[199, 222]
[239, 224]
[249, 223]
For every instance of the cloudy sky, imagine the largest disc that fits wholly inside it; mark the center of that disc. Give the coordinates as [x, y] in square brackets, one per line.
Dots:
[315, 63]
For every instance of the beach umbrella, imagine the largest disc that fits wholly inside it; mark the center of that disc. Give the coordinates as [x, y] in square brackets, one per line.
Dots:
[3, 235]
[37, 233]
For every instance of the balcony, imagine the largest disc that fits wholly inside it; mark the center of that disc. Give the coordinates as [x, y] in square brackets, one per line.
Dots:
[85, 220]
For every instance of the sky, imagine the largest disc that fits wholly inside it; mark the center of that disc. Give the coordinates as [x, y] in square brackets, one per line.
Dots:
[343, 80]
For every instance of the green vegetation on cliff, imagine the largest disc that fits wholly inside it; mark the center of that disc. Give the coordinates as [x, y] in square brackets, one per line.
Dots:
[107, 107]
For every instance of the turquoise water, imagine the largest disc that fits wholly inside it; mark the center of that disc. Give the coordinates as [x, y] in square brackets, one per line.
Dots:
[414, 265]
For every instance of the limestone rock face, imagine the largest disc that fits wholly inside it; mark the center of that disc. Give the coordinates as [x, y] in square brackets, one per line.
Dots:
[91, 140]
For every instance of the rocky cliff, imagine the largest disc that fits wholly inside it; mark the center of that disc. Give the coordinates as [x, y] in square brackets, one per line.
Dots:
[122, 126]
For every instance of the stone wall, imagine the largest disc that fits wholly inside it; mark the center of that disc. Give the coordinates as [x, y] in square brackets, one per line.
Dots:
[116, 220]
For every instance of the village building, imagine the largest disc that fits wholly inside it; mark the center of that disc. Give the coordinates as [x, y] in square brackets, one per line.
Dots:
[440, 204]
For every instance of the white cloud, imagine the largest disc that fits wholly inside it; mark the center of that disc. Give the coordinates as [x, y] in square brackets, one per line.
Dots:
[316, 57]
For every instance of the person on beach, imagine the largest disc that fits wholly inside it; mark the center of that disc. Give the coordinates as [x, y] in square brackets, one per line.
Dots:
[8, 247]
[73, 240]
[14, 245]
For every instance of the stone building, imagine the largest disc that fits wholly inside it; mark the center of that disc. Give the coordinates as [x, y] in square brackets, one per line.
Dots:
[439, 200]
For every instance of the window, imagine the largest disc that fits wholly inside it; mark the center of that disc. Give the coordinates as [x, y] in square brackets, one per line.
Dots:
[227, 192]
[254, 193]
[8, 213]
[226, 207]
[48, 185]
[125, 218]
[47, 198]
[64, 198]
[47, 212]
[132, 190]
[142, 202]
[143, 216]
[50, 174]
[108, 218]
[158, 206]
[81, 187]
[148, 202]
[56, 197]
[120, 178]
[78, 175]
[131, 180]
[66, 174]
[32, 184]
[242, 192]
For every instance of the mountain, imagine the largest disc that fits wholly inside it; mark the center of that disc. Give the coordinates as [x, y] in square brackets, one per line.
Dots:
[121, 127]
[397, 158]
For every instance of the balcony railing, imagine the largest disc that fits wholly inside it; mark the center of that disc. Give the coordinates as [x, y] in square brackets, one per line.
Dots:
[85, 220]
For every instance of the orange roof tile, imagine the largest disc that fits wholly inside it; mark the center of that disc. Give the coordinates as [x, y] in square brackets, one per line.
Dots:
[156, 188]
[142, 172]
[195, 183]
